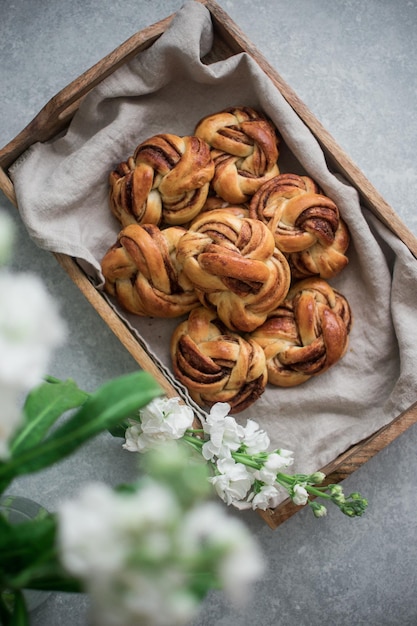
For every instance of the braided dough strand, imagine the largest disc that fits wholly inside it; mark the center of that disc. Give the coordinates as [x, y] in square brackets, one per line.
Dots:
[235, 268]
[141, 271]
[306, 335]
[217, 365]
[245, 150]
[167, 179]
[305, 223]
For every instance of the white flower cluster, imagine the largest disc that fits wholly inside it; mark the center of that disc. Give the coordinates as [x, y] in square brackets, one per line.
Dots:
[162, 420]
[238, 483]
[30, 328]
[244, 471]
[140, 555]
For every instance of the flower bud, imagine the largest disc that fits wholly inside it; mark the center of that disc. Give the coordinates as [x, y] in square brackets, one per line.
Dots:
[300, 495]
[316, 478]
[336, 493]
[319, 510]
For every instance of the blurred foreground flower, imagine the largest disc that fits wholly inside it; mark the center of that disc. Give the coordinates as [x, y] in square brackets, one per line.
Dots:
[30, 329]
[149, 556]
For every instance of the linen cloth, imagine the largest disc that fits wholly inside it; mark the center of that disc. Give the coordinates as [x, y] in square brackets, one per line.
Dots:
[62, 192]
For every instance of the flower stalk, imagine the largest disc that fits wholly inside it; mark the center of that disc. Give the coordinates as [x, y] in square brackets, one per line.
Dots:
[243, 472]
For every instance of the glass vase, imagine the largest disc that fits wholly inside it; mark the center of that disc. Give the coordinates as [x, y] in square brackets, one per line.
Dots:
[16, 510]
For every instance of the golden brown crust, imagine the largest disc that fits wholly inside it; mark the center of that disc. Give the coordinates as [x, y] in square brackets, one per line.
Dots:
[244, 149]
[166, 180]
[321, 260]
[141, 271]
[235, 268]
[247, 232]
[306, 335]
[306, 225]
[131, 201]
[217, 365]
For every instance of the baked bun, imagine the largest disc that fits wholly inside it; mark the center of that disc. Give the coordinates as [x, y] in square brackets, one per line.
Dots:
[166, 180]
[141, 271]
[305, 223]
[306, 335]
[235, 267]
[217, 365]
[322, 260]
[244, 149]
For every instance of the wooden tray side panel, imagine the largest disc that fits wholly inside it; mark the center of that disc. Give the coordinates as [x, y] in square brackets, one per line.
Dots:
[58, 112]
[348, 462]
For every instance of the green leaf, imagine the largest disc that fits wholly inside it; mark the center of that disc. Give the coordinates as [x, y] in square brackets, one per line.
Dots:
[13, 611]
[119, 431]
[43, 407]
[6, 600]
[29, 560]
[104, 409]
[20, 616]
[26, 543]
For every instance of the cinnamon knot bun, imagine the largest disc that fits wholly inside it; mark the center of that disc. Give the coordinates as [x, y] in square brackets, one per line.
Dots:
[305, 223]
[306, 334]
[142, 273]
[217, 365]
[166, 180]
[235, 267]
[244, 149]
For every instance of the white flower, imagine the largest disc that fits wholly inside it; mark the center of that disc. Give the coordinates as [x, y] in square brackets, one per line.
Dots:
[243, 505]
[10, 417]
[138, 554]
[162, 419]
[267, 498]
[287, 455]
[240, 562]
[233, 481]
[98, 531]
[300, 496]
[6, 237]
[255, 440]
[142, 598]
[225, 433]
[30, 328]
[121, 546]
[242, 566]
[272, 465]
[132, 434]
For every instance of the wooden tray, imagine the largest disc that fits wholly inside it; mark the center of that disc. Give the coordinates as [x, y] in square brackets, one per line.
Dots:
[228, 40]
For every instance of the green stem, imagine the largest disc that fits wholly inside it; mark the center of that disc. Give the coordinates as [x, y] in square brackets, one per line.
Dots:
[243, 458]
[195, 442]
[285, 480]
[4, 610]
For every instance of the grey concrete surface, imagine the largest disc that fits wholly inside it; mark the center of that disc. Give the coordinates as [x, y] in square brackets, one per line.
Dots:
[353, 63]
